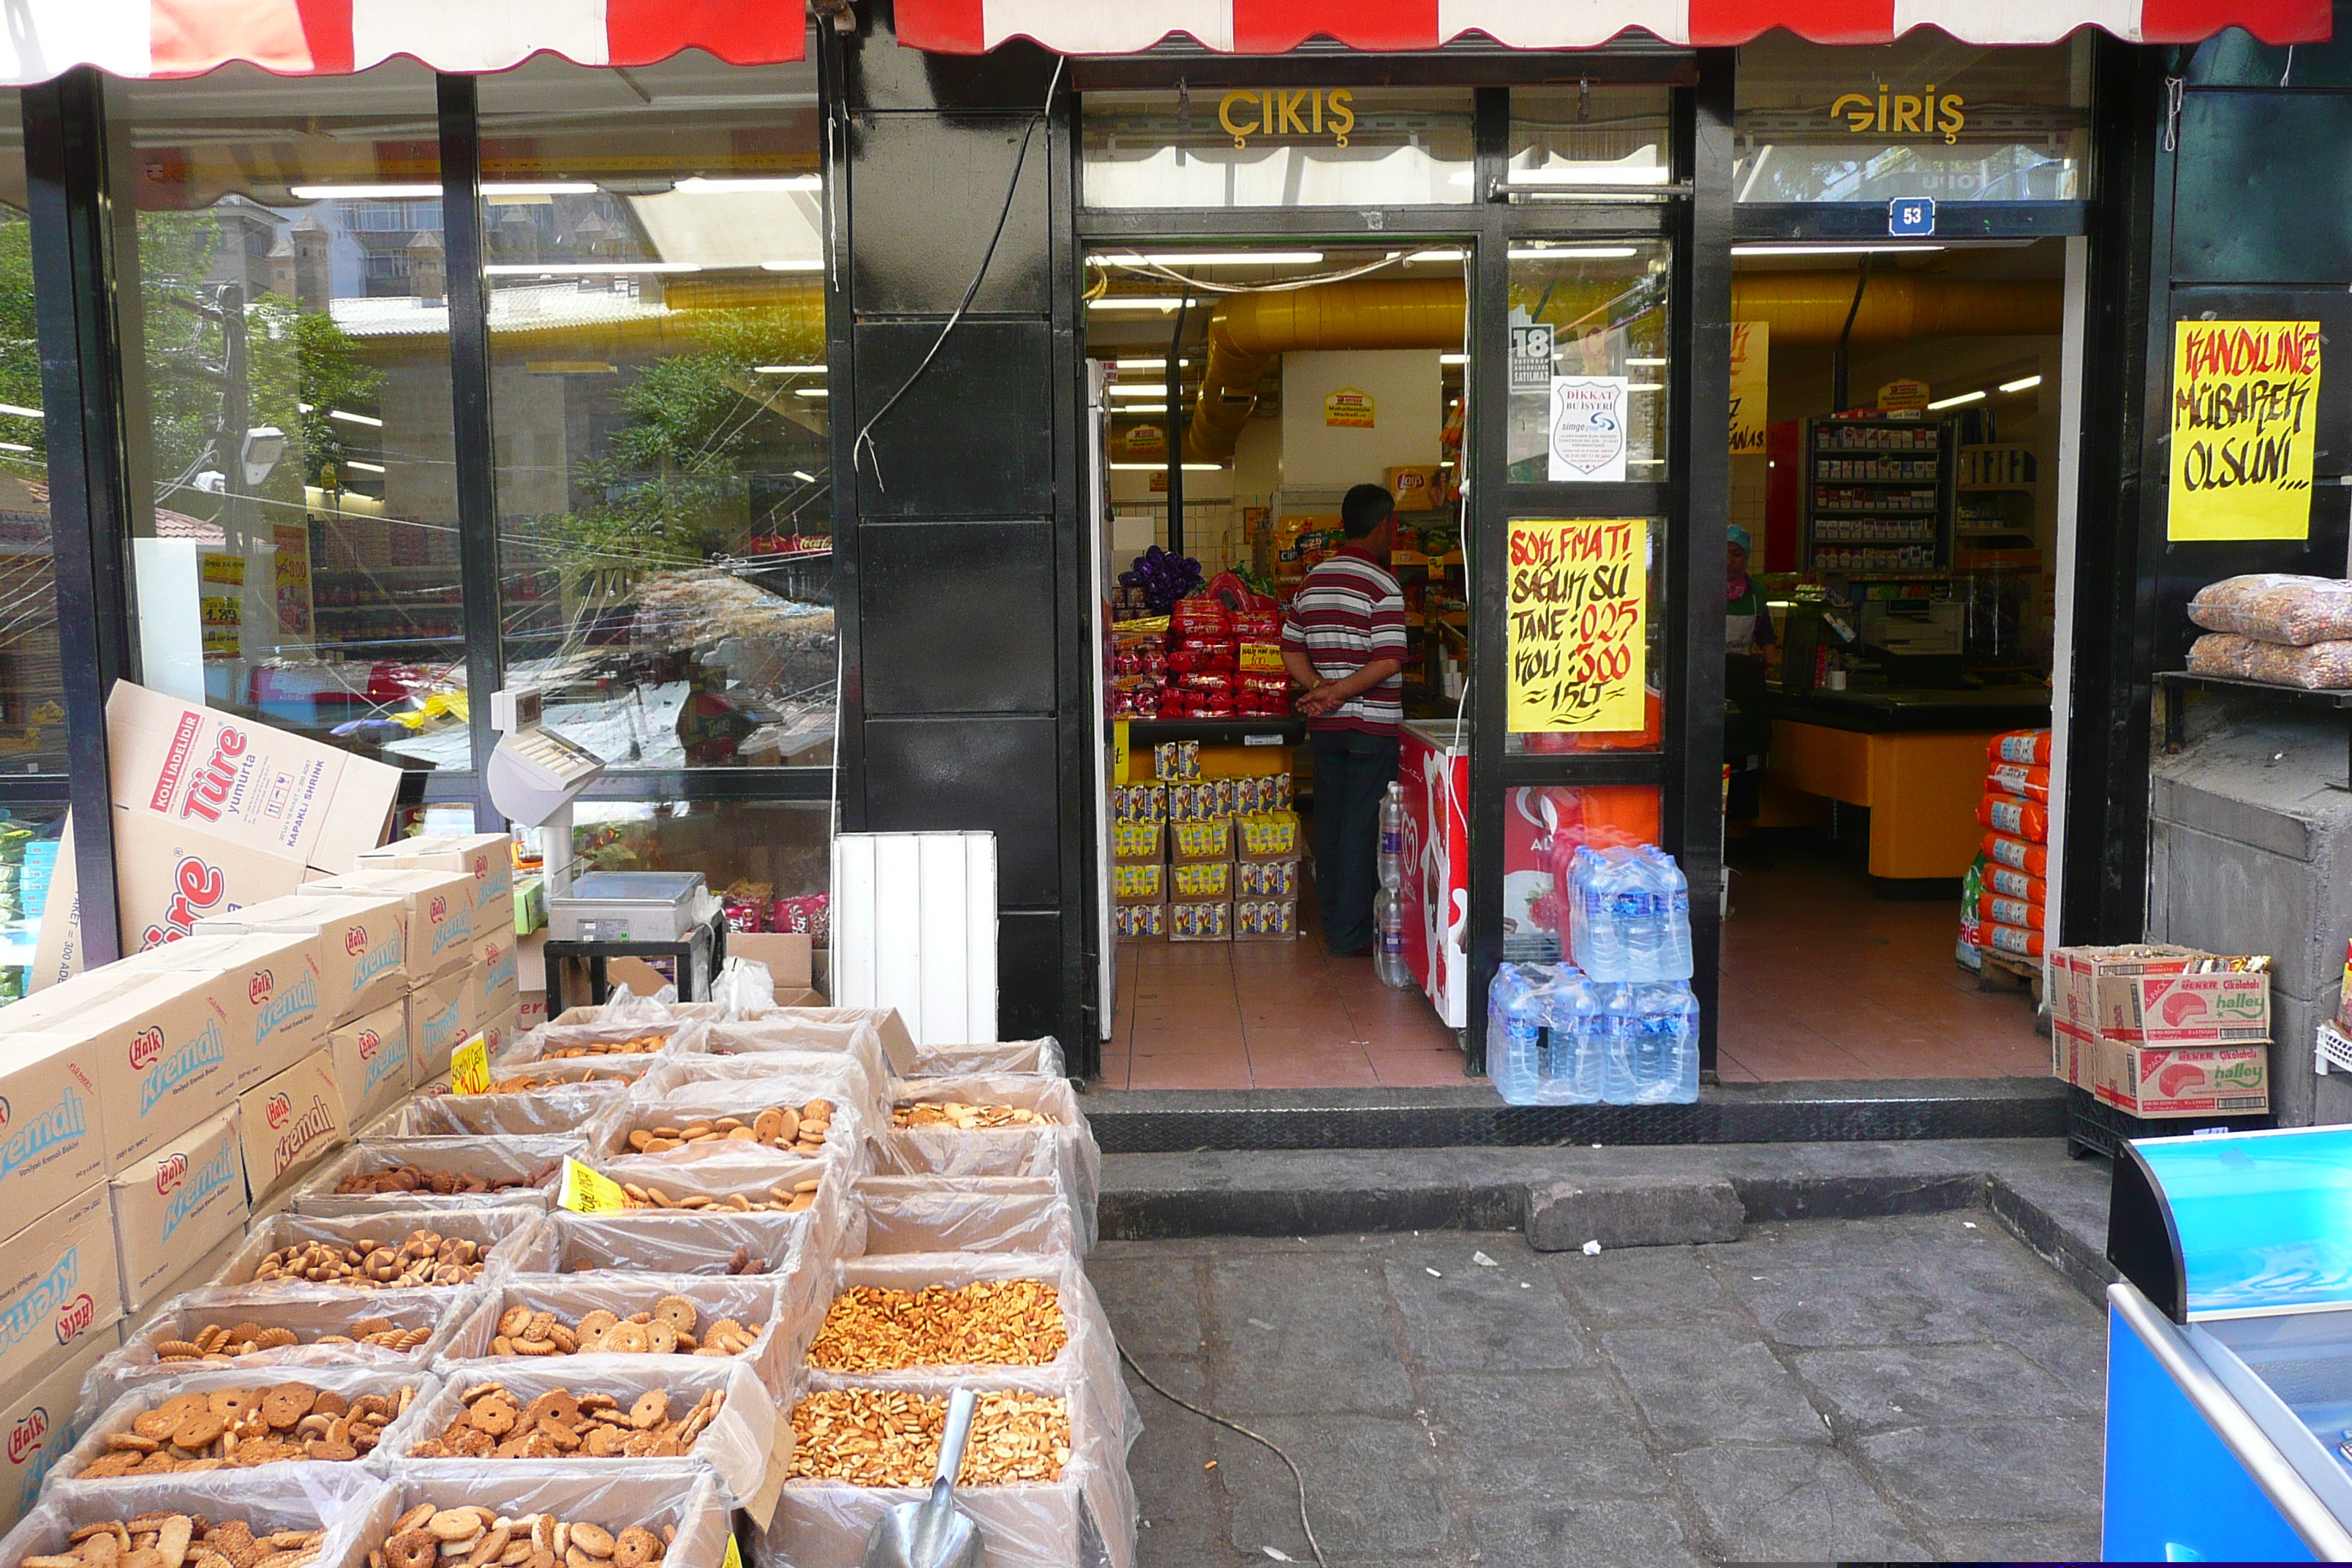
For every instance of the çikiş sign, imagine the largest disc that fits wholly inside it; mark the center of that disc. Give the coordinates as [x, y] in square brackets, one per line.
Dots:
[1287, 111]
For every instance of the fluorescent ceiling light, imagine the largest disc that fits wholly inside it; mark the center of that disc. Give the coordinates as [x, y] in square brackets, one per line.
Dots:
[1591, 175]
[806, 478]
[1589, 252]
[1976, 396]
[364, 467]
[1435, 256]
[585, 269]
[1633, 362]
[787, 370]
[811, 391]
[387, 193]
[1132, 303]
[797, 264]
[698, 184]
[1213, 258]
[539, 188]
[1142, 408]
[1454, 359]
[345, 415]
[2026, 384]
[20, 411]
[1647, 387]
[1138, 389]
[1834, 249]
[1146, 364]
[1162, 467]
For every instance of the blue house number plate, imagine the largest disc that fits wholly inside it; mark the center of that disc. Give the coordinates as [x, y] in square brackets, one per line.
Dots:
[1911, 217]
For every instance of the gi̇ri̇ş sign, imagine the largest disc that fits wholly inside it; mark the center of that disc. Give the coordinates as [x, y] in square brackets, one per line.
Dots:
[1588, 427]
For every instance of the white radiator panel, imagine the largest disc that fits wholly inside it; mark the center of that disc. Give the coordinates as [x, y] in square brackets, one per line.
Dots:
[914, 927]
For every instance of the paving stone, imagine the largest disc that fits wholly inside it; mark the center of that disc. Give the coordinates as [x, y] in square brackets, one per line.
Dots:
[1545, 1532]
[1299, 1335]
[1643, 1287]
[1153, 1304]
[2036, 1542]
[1703, 1385]
[1793, 1503]
[1372, 1487]
[1561, 1436]
[1849, 1305]
[1633, 1211]
[2008, 1471]
[1462, 1316]
[1919, 1386]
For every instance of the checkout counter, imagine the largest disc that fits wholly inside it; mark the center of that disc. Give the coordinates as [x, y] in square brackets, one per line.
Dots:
[2230, 1349]
[1908, 745]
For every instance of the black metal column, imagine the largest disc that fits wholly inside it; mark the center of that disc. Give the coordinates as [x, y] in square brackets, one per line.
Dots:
[470, 411]
[73, 234]
[1486, 451]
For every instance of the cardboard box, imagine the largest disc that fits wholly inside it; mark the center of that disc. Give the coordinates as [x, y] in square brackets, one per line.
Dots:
[1211, 840]
[494, 976]
[163, 1061]
[439, 1019]
[486, 858]
[2185, 1009]
[1197, 881]
[213, 810]
[177, 1204]
[2074, 972]
[201, 1271]
[362, 953]
[1203, 920]
[1268, 836]
[789, 955]
[1265, 879]
[371, 1065]
[2163, 1082]
[60, 1289]
[440, 914]
[530, 978]
[500, 1030]
[269, 991]
[1134, 882]
[51, 1135]
[1140, 922]
[1138, 840]
[1266, 920]
[43, 1416]
[291, 1122]
[2074, 1055]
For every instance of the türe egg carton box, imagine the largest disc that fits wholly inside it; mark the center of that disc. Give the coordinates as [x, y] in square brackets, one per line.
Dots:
[160, 1042]
[61, 1287]
[363, 942]
[440, 914]
[212, 812]
[176, 1204]
[2186, 1009]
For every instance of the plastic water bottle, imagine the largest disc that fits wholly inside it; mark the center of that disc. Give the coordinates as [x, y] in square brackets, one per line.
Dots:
[1674, 956]
[1615, 1024]
[1571, 1014]
[1387, 937]
[1595, 943]
[1679, 1006]
[1515, 1024]
[1392, 835]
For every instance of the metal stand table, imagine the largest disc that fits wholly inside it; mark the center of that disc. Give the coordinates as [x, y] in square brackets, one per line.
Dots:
[696, 957]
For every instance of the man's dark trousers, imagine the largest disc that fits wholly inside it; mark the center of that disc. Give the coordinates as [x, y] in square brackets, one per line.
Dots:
[1353, 772]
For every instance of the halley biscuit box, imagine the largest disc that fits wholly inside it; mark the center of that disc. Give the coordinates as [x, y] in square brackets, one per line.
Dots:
[41, 1424]
[2185, 1081]
[486, 858]
[440, 1016]
[210, 804]
[362, 939]
[2078, 971]
[59, 1287]
[2185, 1009]
[175, 1204]
[372, 1061]
[440, 914]
[291, 1122]
[164, 1061]
[269, 990]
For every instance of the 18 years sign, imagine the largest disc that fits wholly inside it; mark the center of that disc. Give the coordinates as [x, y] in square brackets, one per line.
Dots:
[1578, 597]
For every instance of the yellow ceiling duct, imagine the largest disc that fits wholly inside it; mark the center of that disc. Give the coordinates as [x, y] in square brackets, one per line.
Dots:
[1249, 332]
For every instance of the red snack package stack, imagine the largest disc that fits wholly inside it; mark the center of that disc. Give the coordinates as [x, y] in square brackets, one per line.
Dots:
[2013, 909]
[743, 914]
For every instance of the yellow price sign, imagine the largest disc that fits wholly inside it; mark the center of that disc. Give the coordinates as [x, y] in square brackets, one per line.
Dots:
[469, 1067]
[733, 1556]
[590, 1192]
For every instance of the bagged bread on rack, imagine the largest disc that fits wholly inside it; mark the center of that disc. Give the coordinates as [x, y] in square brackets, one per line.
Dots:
[2277, 607]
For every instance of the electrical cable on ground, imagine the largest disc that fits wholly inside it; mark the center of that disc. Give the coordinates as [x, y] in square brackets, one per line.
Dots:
[1258, 1437]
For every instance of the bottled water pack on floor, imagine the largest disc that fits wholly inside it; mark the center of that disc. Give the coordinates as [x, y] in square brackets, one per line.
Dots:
[1555, 1037]
[1629, 916]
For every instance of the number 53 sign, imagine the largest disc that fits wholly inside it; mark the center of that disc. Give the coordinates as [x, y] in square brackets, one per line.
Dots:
[1577, 597]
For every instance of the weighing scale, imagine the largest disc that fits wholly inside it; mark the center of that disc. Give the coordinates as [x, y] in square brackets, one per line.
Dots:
[534, 775]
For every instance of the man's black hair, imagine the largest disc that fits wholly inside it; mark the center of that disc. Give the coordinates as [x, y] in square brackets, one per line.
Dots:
[1363, 508]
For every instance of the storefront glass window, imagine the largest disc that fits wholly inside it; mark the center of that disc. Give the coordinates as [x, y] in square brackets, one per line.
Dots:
[1595, 138]
[1543, 827]
[1589, 319]
[1585, 622]
[1925, 116]
[655, 251]
[769, 860]
[295, 527]
[31, 702]
[1278, 147]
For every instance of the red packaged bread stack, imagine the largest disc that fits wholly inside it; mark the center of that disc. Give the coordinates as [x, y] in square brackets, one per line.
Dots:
[2014, 908]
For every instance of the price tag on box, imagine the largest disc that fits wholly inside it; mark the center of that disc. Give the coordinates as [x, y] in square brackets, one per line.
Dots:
[590, 1192]
[469, 1067]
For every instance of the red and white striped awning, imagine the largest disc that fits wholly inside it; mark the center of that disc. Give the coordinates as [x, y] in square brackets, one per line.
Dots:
[1275, 27]
[334, 38]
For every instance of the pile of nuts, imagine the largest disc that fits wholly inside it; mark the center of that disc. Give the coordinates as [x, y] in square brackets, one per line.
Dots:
[798, 1198]
[965, 1118]
[992, 1322]
[172, 1540]
[634, 1045]
[882, 1438]
[425, 1257]
[670, 1328]
[224, 1428]
[778, 1127]
[218, 1342]
[400, 1179]
[561, 1425]
[524, 1083]
[475, 1536]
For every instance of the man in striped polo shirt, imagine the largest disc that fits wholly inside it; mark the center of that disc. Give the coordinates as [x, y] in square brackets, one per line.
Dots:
[1343, 640]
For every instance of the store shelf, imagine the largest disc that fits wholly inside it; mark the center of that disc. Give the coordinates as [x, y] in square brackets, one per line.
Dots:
[1217, 732]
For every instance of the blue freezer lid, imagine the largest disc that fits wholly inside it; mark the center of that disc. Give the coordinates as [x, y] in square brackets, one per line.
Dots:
[2233, 1223]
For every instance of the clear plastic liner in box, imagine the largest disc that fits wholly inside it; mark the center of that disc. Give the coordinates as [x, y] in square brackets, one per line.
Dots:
[532, 1048]
[555, 1075]
[736, 1446]
[1085, 1520]
[1091, 1352]
[538, 1158]
[355, 1508]
[688, 1499]
[499, 1228]
[1067, 1149]
[351, 1381]
[860, 1086]
[582, 1110]
[977, 1214]
[308, 1313]
[854, 1037]
[1042, 1056]
[752, 1300]
[834, 1227]
[845, 1140]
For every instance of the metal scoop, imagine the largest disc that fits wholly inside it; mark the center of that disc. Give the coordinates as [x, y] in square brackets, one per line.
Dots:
[934, 1532]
